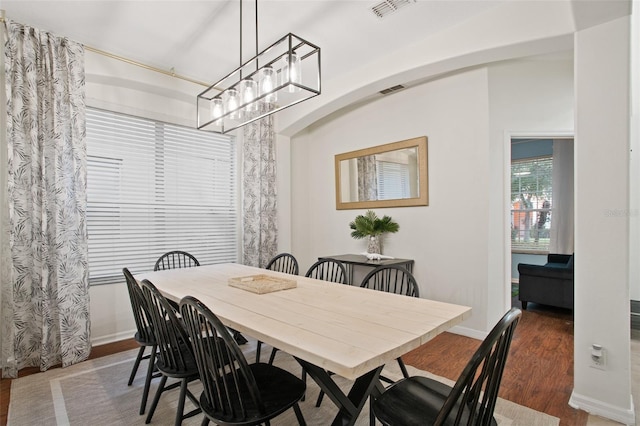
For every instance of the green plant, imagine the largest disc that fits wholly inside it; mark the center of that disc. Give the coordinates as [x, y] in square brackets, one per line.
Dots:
[370, 224]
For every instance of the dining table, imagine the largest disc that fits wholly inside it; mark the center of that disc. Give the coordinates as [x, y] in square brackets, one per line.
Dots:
[328, 328]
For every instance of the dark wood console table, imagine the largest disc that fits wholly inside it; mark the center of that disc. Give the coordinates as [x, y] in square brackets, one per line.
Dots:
[350, 260]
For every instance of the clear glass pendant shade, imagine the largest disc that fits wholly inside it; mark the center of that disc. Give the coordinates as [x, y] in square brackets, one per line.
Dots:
[291, 72]
[231, 103]
[267, 84]
[249, 91]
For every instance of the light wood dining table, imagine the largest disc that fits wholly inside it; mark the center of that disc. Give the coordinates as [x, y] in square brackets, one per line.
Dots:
[327, 327]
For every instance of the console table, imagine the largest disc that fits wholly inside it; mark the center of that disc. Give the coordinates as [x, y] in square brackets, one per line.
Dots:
[350, 260]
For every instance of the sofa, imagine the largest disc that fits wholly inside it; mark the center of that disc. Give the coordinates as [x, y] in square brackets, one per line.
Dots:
[549, 284]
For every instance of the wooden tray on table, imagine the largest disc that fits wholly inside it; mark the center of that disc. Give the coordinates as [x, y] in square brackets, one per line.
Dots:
[262, 283]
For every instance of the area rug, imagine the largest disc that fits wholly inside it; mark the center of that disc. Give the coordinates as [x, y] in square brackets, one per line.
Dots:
[96, 392]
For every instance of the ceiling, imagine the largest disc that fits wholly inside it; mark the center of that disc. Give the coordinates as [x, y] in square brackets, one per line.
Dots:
[200, 39]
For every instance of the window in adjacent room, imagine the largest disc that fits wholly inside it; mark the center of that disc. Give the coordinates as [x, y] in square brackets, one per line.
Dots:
[531, 203]
[154, 187]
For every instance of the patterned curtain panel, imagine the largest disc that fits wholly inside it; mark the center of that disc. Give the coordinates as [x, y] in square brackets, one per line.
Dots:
[45, 293]
[260, 238]
[367, 178]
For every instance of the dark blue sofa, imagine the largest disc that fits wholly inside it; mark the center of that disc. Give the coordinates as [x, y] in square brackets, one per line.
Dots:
[550, 284]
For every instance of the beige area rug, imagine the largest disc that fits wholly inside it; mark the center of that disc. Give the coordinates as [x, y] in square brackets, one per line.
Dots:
[96, 393]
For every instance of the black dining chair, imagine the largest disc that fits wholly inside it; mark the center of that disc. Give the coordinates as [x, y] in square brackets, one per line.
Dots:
[241, 393]
[391, 279]
[471, 401]
[286, 263]
[175, 259]
[175, 355]
[328, 270]
[181, 259]
[143, 336]
[283, 262]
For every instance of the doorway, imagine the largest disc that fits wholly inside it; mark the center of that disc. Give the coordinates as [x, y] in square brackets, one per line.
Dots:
[541, 202]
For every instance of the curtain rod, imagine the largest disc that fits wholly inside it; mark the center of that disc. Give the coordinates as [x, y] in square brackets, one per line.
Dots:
[170, 73]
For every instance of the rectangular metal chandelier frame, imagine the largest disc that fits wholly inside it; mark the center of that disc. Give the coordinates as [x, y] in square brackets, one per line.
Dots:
[289, 85]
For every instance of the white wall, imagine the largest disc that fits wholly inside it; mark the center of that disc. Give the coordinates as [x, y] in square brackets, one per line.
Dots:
[634, 189]
[602, 237]
[125, 88]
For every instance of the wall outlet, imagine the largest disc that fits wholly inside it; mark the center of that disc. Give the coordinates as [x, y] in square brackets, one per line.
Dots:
[598, 357]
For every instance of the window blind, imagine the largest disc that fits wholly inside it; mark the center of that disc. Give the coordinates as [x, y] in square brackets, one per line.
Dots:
[154, 187]
[393, 180]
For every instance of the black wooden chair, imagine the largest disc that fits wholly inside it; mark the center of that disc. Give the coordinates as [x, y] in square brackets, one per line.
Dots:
[143, 336]
[175, 355]
[240, 394]
[181, 259]
[174, 260]
[423, 401]
[392, 279]
[328, 270]
[283, 262]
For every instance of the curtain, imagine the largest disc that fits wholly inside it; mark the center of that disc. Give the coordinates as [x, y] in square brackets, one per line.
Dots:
[562, 222]
[45, 293]
[367, 178]
[260, 221]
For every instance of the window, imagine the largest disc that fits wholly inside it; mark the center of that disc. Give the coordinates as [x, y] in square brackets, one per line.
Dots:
[153, 187]
[531, 204]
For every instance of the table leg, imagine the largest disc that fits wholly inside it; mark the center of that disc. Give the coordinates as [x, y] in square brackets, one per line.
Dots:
[350, 405]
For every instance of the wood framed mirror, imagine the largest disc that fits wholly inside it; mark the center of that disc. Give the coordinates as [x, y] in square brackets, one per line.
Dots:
[390, 175]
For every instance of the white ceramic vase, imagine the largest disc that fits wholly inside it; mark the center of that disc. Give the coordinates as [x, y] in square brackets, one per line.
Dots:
[375, 244]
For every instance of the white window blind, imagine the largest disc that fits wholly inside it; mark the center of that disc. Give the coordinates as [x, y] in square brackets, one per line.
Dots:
[393, 180]
[154, 187]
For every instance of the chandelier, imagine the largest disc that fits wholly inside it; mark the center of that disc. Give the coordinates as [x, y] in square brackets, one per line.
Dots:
[282, 75]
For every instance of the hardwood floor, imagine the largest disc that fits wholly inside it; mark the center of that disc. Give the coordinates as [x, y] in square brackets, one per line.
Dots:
[539, 371]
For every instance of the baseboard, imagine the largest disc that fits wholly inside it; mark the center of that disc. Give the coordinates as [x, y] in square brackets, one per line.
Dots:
[468, 332]
[110, 338]
[602, 409]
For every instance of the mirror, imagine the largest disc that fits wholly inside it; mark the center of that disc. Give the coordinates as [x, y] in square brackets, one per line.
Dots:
[391, 175]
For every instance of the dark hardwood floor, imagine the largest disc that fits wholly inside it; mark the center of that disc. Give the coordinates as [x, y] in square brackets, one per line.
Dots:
[539, 371]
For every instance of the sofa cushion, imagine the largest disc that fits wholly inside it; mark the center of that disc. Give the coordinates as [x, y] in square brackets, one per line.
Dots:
[570, 263]
[556, 265]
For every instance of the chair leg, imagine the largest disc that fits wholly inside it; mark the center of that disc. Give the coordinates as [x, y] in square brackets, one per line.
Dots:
[205, 421]
[181, 398]
[154, 404]
[299, 415]
[320, 396]
[405, 373]
[273, 355]
[258, 347]
[147, 382]
[136, 364]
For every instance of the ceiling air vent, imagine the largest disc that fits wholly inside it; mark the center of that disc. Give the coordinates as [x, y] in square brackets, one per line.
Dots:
[387, 7]
[392, 89]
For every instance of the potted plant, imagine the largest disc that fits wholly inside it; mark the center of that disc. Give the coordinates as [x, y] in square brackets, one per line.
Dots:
[369, 225]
